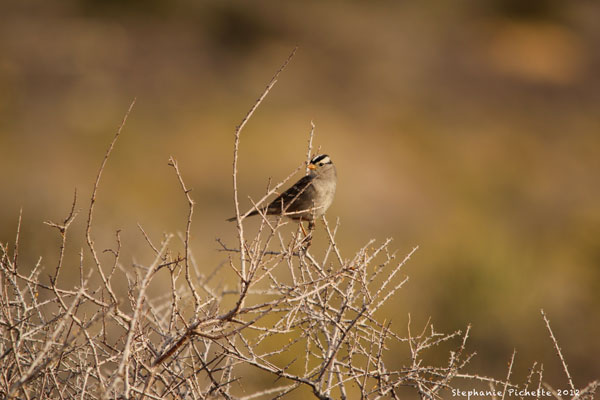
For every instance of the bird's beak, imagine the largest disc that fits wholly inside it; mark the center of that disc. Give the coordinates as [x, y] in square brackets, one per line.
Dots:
[312, 166]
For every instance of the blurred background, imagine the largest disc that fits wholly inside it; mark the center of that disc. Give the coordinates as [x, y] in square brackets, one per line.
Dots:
[470, 129]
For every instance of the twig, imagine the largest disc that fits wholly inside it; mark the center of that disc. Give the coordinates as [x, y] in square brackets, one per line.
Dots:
[236, 145]
[16, 248]
[88, 229]
[510, 366]
[558, 351]
[309, 150]
[62, 228]
[186, 191]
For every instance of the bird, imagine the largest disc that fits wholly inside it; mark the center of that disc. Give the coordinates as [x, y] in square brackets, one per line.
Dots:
[309, 198]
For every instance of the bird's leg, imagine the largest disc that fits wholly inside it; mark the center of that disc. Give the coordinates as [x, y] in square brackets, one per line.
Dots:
[303, 230]
[307, 235]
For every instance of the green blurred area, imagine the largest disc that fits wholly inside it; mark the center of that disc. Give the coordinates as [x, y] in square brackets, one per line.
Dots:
[471, 129]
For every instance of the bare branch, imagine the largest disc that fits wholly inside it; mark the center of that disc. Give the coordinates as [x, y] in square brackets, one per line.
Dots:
[558, 351]
[186, 191]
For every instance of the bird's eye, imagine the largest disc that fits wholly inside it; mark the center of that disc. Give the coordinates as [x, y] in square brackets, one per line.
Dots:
[320, 164]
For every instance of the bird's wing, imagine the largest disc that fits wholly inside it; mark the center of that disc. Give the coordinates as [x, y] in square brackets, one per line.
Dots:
[287, 200]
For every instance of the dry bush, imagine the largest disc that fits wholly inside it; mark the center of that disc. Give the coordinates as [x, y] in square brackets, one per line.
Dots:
[311, 321]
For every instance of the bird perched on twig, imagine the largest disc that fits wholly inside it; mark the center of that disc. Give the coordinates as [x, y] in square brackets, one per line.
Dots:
[310, 197]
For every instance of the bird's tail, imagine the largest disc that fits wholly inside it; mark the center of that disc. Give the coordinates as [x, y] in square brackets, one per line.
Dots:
[249, 215]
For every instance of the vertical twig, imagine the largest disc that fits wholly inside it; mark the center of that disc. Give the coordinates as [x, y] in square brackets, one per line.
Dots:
[309, 150]
[186, 191]
[88, 229]
[510, 366]
[558, 351]
[236, 144]
[62, 228]
[16, 248]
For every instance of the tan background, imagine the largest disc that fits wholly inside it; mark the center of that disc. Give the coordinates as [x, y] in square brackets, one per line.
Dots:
[471, 129]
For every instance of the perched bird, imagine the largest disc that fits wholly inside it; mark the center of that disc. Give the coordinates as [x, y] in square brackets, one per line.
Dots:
[310, 197]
